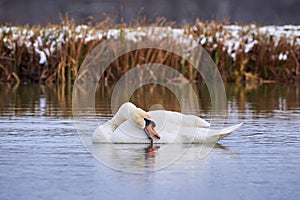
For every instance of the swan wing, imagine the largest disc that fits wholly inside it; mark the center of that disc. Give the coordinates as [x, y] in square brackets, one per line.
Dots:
[176, 118]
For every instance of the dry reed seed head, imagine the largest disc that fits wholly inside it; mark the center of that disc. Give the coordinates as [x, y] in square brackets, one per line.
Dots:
[77, 41]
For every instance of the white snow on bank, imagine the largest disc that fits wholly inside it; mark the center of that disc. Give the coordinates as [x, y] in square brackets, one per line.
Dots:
[283, 56]
[233, 37]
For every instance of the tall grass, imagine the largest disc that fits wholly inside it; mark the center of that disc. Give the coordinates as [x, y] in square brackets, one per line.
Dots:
[54, 53]
[272, 55]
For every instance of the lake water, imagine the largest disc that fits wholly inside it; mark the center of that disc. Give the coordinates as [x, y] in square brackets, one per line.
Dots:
[42, 157]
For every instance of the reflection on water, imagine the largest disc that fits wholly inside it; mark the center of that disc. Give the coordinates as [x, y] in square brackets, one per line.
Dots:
[130, 158]
[266, 98]
[42, 100]
[137, 158]
[36, 100]
[41, 156]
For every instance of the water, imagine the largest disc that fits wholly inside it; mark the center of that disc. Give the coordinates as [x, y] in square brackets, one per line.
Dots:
[42, 157]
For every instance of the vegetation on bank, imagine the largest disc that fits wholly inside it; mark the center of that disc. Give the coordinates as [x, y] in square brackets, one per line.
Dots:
[54, 53]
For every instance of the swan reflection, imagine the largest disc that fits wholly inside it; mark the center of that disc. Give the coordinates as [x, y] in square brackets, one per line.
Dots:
[138, 158]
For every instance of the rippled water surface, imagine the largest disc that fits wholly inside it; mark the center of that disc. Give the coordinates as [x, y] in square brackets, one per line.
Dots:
[42, 157]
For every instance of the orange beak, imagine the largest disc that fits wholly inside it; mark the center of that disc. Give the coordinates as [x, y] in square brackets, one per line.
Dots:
[151, 130]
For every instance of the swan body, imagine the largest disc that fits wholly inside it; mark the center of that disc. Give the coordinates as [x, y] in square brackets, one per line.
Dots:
[173, 127]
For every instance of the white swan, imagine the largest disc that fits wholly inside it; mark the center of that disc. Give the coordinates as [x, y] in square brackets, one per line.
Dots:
[133, 125]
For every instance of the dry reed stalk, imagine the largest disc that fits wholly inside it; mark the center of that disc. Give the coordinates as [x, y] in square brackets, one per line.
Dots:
[263, 61]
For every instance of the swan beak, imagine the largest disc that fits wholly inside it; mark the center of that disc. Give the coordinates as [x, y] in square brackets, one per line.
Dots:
[150, 129]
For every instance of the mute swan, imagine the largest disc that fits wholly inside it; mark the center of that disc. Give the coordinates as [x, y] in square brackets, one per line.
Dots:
[130, 124]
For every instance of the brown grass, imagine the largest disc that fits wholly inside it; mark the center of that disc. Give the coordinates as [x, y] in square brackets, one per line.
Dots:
[65, 52]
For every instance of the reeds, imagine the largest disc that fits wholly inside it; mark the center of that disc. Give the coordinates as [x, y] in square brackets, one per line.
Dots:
[54, 53]
[250, 52]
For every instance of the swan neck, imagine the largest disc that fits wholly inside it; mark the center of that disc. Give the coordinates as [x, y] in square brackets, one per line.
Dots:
[123, 114]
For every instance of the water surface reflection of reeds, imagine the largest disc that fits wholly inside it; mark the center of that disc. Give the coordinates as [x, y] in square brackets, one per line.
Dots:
[41, 100]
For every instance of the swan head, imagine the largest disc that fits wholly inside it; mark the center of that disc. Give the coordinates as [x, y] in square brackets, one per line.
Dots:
[149, 129]
[143, 121]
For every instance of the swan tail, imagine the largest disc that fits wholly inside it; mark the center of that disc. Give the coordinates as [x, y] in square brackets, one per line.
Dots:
[217, 135]
[228, 130]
